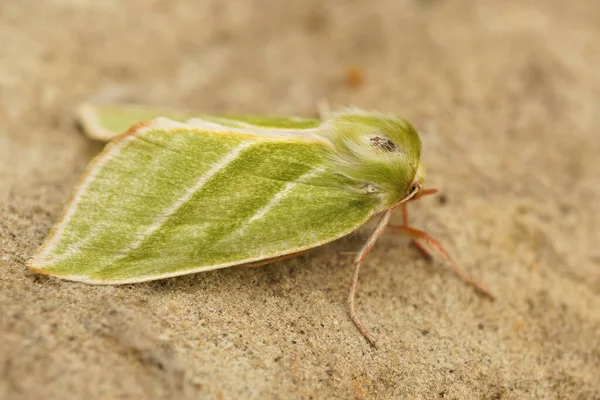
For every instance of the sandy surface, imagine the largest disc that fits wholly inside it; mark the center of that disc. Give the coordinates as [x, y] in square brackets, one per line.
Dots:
[507, 97]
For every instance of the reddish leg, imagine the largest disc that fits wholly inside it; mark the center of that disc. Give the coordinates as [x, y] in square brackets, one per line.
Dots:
[426, 253]
[381, 225]
[417, 234]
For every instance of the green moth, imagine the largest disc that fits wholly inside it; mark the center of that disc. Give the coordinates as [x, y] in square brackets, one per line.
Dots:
[196, 192]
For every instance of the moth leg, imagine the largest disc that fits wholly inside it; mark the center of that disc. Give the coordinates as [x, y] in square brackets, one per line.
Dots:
[421, 235]
[272, 260]
[381, 225]
[414, 241]
[418, 245]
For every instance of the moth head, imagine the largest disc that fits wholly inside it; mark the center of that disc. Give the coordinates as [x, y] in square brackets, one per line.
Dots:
[375, 153]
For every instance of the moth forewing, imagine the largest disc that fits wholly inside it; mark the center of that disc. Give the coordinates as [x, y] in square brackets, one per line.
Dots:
[169, 199]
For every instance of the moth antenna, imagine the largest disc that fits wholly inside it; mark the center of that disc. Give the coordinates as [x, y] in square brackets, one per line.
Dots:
[417, 235]
[425, 192]
[379, 229]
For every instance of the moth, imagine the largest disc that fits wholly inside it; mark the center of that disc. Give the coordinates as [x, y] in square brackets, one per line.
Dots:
[194, 192]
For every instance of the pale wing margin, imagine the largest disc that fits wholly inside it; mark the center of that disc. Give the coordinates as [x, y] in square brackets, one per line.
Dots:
[105, 121]
[169, 199]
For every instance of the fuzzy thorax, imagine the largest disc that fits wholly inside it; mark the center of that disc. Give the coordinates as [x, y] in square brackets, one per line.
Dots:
[375, 154]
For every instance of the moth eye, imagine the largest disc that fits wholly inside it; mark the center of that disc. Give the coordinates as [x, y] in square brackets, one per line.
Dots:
[415, 187]
[383, 143]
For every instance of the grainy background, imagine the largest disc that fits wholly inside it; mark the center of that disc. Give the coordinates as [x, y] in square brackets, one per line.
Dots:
[506, 95]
